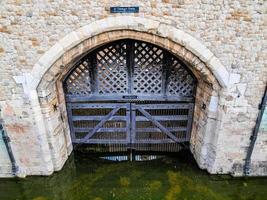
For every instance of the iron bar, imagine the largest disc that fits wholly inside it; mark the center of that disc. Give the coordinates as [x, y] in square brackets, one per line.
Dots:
[255, 132]
[6, 140]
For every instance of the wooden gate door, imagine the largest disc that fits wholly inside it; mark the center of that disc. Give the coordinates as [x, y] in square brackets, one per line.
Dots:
[130, 93]
[130, 123]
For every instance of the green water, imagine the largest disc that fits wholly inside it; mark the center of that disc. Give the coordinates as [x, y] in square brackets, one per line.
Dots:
[86, 177]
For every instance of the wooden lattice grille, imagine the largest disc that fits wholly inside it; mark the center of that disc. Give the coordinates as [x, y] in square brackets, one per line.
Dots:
[148, 63]
[132, 94]
[79, 81]
[128, 67]
[111, 69]
[180, 82]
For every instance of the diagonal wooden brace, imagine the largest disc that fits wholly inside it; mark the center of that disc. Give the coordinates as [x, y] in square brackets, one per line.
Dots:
[100, 124]
[162, 128]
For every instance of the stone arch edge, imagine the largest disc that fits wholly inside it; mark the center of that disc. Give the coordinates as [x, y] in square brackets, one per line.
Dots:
[32, 80]
[127, 23]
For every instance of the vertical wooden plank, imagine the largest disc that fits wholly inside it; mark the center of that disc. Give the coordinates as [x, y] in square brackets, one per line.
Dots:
[69, 112]
[128, 123]
[164, 73]
[130, 63]
[133, 123]
[190, 121]
[93, 73]
[166, 68]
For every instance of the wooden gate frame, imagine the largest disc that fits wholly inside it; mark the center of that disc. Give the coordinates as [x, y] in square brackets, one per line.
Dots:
[129, 51]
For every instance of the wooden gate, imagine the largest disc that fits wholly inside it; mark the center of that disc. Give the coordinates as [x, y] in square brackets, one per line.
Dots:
[132, 94]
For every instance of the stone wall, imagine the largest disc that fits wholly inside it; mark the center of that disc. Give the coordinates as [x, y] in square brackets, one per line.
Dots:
[234, 31]
[5, 167]
[259, 156]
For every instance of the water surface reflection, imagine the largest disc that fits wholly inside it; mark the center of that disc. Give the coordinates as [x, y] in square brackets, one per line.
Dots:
[86, 177]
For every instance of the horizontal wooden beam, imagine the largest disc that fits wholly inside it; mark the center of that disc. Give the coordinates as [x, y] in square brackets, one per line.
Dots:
[138, 118]
[96, 105]
[123, 98]
[159, 141]
[106, 130]
[100, 141]
[165, 106]
[149, 130]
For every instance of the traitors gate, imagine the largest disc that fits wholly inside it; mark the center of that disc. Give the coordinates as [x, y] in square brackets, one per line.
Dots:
[130, 94]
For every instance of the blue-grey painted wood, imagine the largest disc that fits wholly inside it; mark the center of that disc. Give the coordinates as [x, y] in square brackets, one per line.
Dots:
[133, 123]
[137, 61]
[70, 119]
[121, 97]
[132, 90]
[94, 74]
[100, 141]
[98, 118]
[104, 130]
[98, 105]
[162, 117]
[130, 64]
[190, 121]
[164, 106]
[157, 130]
[117, 141]
[164, 73]
[128, 123]
[160, 141]
[159, 125]
[100, 124]
[138, 118]
[130, 118]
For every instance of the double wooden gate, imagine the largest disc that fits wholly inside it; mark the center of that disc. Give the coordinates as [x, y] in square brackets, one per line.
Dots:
[132, 94]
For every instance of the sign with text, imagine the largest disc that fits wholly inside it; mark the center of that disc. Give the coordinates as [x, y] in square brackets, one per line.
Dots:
[133, 9]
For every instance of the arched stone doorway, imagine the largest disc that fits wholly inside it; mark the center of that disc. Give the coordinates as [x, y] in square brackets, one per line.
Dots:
[130, 94]
[45, 89]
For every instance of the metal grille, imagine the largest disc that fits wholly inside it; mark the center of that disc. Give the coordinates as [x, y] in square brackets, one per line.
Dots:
[130, 94]
[147, 78]
[112, 69]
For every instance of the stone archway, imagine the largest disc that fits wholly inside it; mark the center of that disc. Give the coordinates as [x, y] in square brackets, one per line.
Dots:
[44, 84]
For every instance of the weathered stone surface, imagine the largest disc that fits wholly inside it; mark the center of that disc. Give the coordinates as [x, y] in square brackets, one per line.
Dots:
[222, 42]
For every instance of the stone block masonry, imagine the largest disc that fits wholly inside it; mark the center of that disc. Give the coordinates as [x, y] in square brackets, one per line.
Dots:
[223, 43]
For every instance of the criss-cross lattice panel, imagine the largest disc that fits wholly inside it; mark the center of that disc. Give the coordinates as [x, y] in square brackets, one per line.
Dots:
[112, 69]
[78, 82]
[147, 77]
[181, 83]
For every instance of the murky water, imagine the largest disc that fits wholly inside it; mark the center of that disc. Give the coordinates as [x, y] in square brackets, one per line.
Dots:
[86, 177]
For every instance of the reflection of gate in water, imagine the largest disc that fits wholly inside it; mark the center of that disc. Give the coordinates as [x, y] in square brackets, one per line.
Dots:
[130, 94]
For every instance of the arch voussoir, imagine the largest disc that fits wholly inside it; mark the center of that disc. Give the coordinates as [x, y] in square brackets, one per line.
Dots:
[111, 24]
[47, 74]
